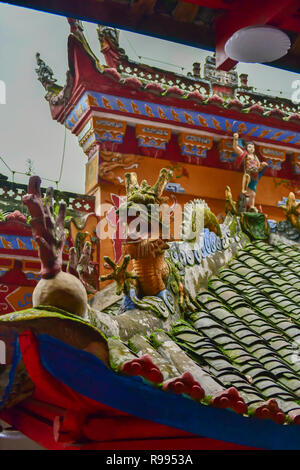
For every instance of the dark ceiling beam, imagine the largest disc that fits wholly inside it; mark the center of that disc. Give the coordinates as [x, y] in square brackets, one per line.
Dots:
[90, 8]
[250, 12]
[85, 8]
[119, 15]
[214, 4]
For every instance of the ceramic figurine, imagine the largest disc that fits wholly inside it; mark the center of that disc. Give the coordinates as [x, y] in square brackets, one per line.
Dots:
[292, 210]
[230, 204]
[147, 254]
[253, 169]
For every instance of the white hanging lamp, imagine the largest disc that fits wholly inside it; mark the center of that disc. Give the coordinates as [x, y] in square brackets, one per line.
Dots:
[257, 44]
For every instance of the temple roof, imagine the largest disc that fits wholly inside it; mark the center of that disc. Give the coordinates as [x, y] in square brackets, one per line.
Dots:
[243, 341]
[248, 330]
[214, 87]
[207, 330]
[246, 333]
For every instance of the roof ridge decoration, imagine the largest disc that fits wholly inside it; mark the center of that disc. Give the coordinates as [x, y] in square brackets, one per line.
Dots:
[80, 263]
[77, 30]
[198, 210]
[218, 330]
[46, 76]
[109, 45]
[285, 109]
[48, 229]
[211, 74]
[289, 229]
[253, 221]
[56, 94]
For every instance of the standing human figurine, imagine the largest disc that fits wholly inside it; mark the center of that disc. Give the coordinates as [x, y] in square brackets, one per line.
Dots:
[253, 168]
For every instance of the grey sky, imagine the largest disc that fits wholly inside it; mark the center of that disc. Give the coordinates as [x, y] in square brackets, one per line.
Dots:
[26, 127]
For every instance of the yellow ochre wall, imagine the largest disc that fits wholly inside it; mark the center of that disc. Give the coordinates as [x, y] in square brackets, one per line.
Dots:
[202, 182]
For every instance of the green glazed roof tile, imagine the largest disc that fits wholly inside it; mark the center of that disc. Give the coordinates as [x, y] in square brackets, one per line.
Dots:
[246, 331]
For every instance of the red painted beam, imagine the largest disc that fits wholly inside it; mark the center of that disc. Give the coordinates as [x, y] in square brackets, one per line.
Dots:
[57, 417]
[251, 12]
[291, 23]
[40, 430]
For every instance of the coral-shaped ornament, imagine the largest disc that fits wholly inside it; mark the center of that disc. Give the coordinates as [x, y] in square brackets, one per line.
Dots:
[48, 229]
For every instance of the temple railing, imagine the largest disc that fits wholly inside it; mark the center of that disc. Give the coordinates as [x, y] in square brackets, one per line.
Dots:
[248, 98]
[13, 192]
[165, 79]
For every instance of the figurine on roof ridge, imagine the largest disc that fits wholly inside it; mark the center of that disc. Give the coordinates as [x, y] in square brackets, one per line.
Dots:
[146, 251]
[46, 76]
[292, 210]
[109, 45]
[253, 168]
